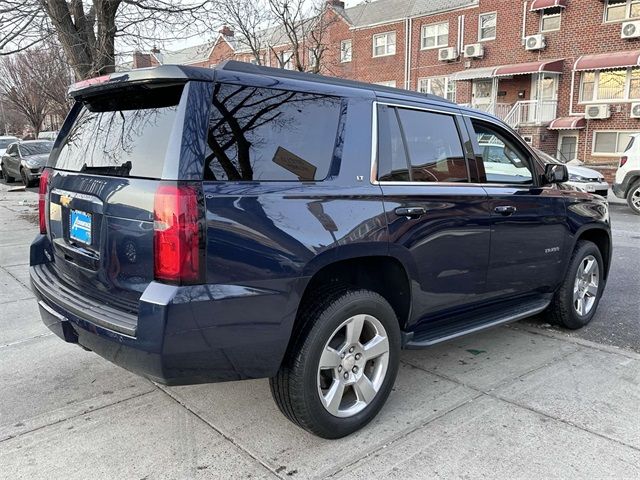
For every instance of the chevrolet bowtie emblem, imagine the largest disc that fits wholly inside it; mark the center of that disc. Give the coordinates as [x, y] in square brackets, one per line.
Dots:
[65, 200]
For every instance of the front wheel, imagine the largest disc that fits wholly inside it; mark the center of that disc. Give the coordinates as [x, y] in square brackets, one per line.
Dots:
[575, 303]
[340, 369]
[25, 178]
[633, 198]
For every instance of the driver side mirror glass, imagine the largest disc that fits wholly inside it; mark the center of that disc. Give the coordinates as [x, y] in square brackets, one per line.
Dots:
[554, 173]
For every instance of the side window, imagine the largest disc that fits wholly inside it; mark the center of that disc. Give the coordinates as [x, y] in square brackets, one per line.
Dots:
[434, 146]
[503, 159]
[392, 157]
[270, 135]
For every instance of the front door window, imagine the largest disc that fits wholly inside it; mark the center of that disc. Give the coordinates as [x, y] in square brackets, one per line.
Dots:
[568, 148]
[544, 93]
[482, 94]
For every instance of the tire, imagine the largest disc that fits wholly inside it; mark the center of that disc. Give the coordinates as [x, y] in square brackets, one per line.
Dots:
[7, 178]
[566, 306]
[25, 179]
[324, 327]
[633, 197]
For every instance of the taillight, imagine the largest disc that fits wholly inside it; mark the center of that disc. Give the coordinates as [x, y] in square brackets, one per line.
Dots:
[623, 160]
[42, 200]
[178, 243]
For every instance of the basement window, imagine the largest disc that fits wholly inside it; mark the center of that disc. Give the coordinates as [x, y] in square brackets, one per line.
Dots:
[550, 20]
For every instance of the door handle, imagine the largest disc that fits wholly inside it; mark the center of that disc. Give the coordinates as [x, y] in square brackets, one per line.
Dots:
[411, 212]
[505, 210]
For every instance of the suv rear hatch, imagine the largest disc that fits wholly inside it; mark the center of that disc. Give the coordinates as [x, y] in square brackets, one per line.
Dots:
[107, 166]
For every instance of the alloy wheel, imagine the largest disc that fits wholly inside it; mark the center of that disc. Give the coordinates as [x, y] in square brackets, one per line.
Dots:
[353, 365]
[585, 288]
[635, 198]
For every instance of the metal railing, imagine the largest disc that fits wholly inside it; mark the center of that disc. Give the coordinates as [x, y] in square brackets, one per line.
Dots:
[531, 112]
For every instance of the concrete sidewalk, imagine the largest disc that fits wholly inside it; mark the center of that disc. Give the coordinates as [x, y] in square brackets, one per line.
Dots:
[514, 402]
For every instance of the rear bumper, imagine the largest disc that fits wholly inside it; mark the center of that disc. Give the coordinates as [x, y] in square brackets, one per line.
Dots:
[181, 334]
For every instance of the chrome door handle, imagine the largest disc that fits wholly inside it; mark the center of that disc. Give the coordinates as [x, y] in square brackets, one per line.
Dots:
[505, 210]
[411, 212]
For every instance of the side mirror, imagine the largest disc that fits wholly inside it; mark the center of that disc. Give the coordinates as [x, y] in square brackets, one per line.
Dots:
[554, 173]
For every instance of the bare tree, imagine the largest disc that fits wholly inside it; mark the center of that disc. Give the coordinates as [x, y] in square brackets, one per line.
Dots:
[88, 30]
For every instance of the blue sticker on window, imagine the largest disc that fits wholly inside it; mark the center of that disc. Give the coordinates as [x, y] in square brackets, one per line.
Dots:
[80, 227]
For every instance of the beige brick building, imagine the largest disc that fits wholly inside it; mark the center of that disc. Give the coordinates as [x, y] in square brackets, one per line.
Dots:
[565, 73]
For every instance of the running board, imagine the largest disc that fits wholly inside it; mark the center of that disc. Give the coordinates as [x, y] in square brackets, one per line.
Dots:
[441, 330]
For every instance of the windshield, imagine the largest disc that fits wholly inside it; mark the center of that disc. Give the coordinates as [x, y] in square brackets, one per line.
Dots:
[124, 135]
[546, 158]
[5, 142]
[36, 148]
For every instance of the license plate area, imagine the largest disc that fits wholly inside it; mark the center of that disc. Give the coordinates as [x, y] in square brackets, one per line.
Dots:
[80, 227]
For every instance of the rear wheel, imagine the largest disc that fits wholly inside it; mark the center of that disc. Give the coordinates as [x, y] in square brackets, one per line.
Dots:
[633, 197]
[576, 301]
[7, 178]
[341, 367]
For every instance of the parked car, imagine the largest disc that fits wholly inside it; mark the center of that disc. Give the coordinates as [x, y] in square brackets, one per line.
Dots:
[299, 228]
[581, 178]
[26, 160]
[48, 135]
[5, 141]
[627, 183]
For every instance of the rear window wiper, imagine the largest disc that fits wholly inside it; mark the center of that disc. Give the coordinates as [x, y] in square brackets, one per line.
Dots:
[115, 170]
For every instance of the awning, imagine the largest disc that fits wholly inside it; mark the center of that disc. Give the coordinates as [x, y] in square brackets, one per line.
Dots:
[473, 73]
[567, 123]
[605, 61]
[547, 66]
[542, 4]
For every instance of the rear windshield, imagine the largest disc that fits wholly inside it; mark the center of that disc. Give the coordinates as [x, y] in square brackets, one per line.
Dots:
[5, 142]
[38, 148]
[124, 133]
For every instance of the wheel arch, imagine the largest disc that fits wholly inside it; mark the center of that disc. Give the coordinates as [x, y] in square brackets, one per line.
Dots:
[601, 237]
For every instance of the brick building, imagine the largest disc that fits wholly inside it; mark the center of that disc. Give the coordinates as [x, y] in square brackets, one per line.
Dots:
[565, 73]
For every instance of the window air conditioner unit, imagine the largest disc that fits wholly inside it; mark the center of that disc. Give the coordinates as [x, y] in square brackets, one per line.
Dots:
[475, 50]
[635, 110]
[630, 29]
[597, 112]
[535, 42]
[447, 54]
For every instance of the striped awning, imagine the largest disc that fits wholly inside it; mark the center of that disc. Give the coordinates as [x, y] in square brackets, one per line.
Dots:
[604, 61]
[473, 73]
[567, 123]
[542, 4]
[546, 66]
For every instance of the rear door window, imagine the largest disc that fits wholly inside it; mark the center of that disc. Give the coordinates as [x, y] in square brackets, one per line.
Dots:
[265, 134]
[419, 146]
[123, 133]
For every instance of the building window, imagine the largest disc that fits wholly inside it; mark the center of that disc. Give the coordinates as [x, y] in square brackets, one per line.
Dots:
[622, 84]
[550, 19]
[442, 86]
[611, 143]
[386, 83]
[618, 10]
[346, 50]
[286, 60]
[487, 23]
[435, 36]
[384, 44]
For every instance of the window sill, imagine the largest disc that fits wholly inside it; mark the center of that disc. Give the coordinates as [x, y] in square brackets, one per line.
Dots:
[434, 48]
[383, 55]
[604, 102]
[486, 40]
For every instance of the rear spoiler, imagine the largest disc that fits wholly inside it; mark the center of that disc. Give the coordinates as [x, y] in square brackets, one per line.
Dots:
[161, 74]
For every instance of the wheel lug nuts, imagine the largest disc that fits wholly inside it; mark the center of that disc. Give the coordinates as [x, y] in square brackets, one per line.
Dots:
[352, 349]
[358, 356]
[354, 369]
[339, 368]
[342, 356]
[346, 375]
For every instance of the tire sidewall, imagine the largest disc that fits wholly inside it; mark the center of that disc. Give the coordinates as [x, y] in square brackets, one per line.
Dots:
[575, 320]
[634, 188]
[365, 303]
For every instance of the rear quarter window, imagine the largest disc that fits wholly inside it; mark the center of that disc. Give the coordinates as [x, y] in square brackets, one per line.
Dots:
[270, 135]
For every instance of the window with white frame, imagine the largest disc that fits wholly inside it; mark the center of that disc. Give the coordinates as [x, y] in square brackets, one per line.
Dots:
[286, 60]
[616, 85]
[550, 19]
[435, 36]
[313, 57]
[384, 44]
[487, 23]
[442, 86]
[346, 51]
[611, 142]
[618, 10]
[386, 83]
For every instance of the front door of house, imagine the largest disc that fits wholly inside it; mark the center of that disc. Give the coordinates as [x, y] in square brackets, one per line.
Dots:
[482, 94]
[544, 96]
[567, 147]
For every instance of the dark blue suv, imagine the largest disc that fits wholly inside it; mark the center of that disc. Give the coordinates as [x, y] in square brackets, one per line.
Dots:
[203, 225]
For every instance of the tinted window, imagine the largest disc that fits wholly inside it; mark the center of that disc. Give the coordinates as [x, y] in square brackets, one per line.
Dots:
[38, 148]
[434, 147]
[122, 134]
[504, 160]
[6, 141]
[392, 159]
[265, 134]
